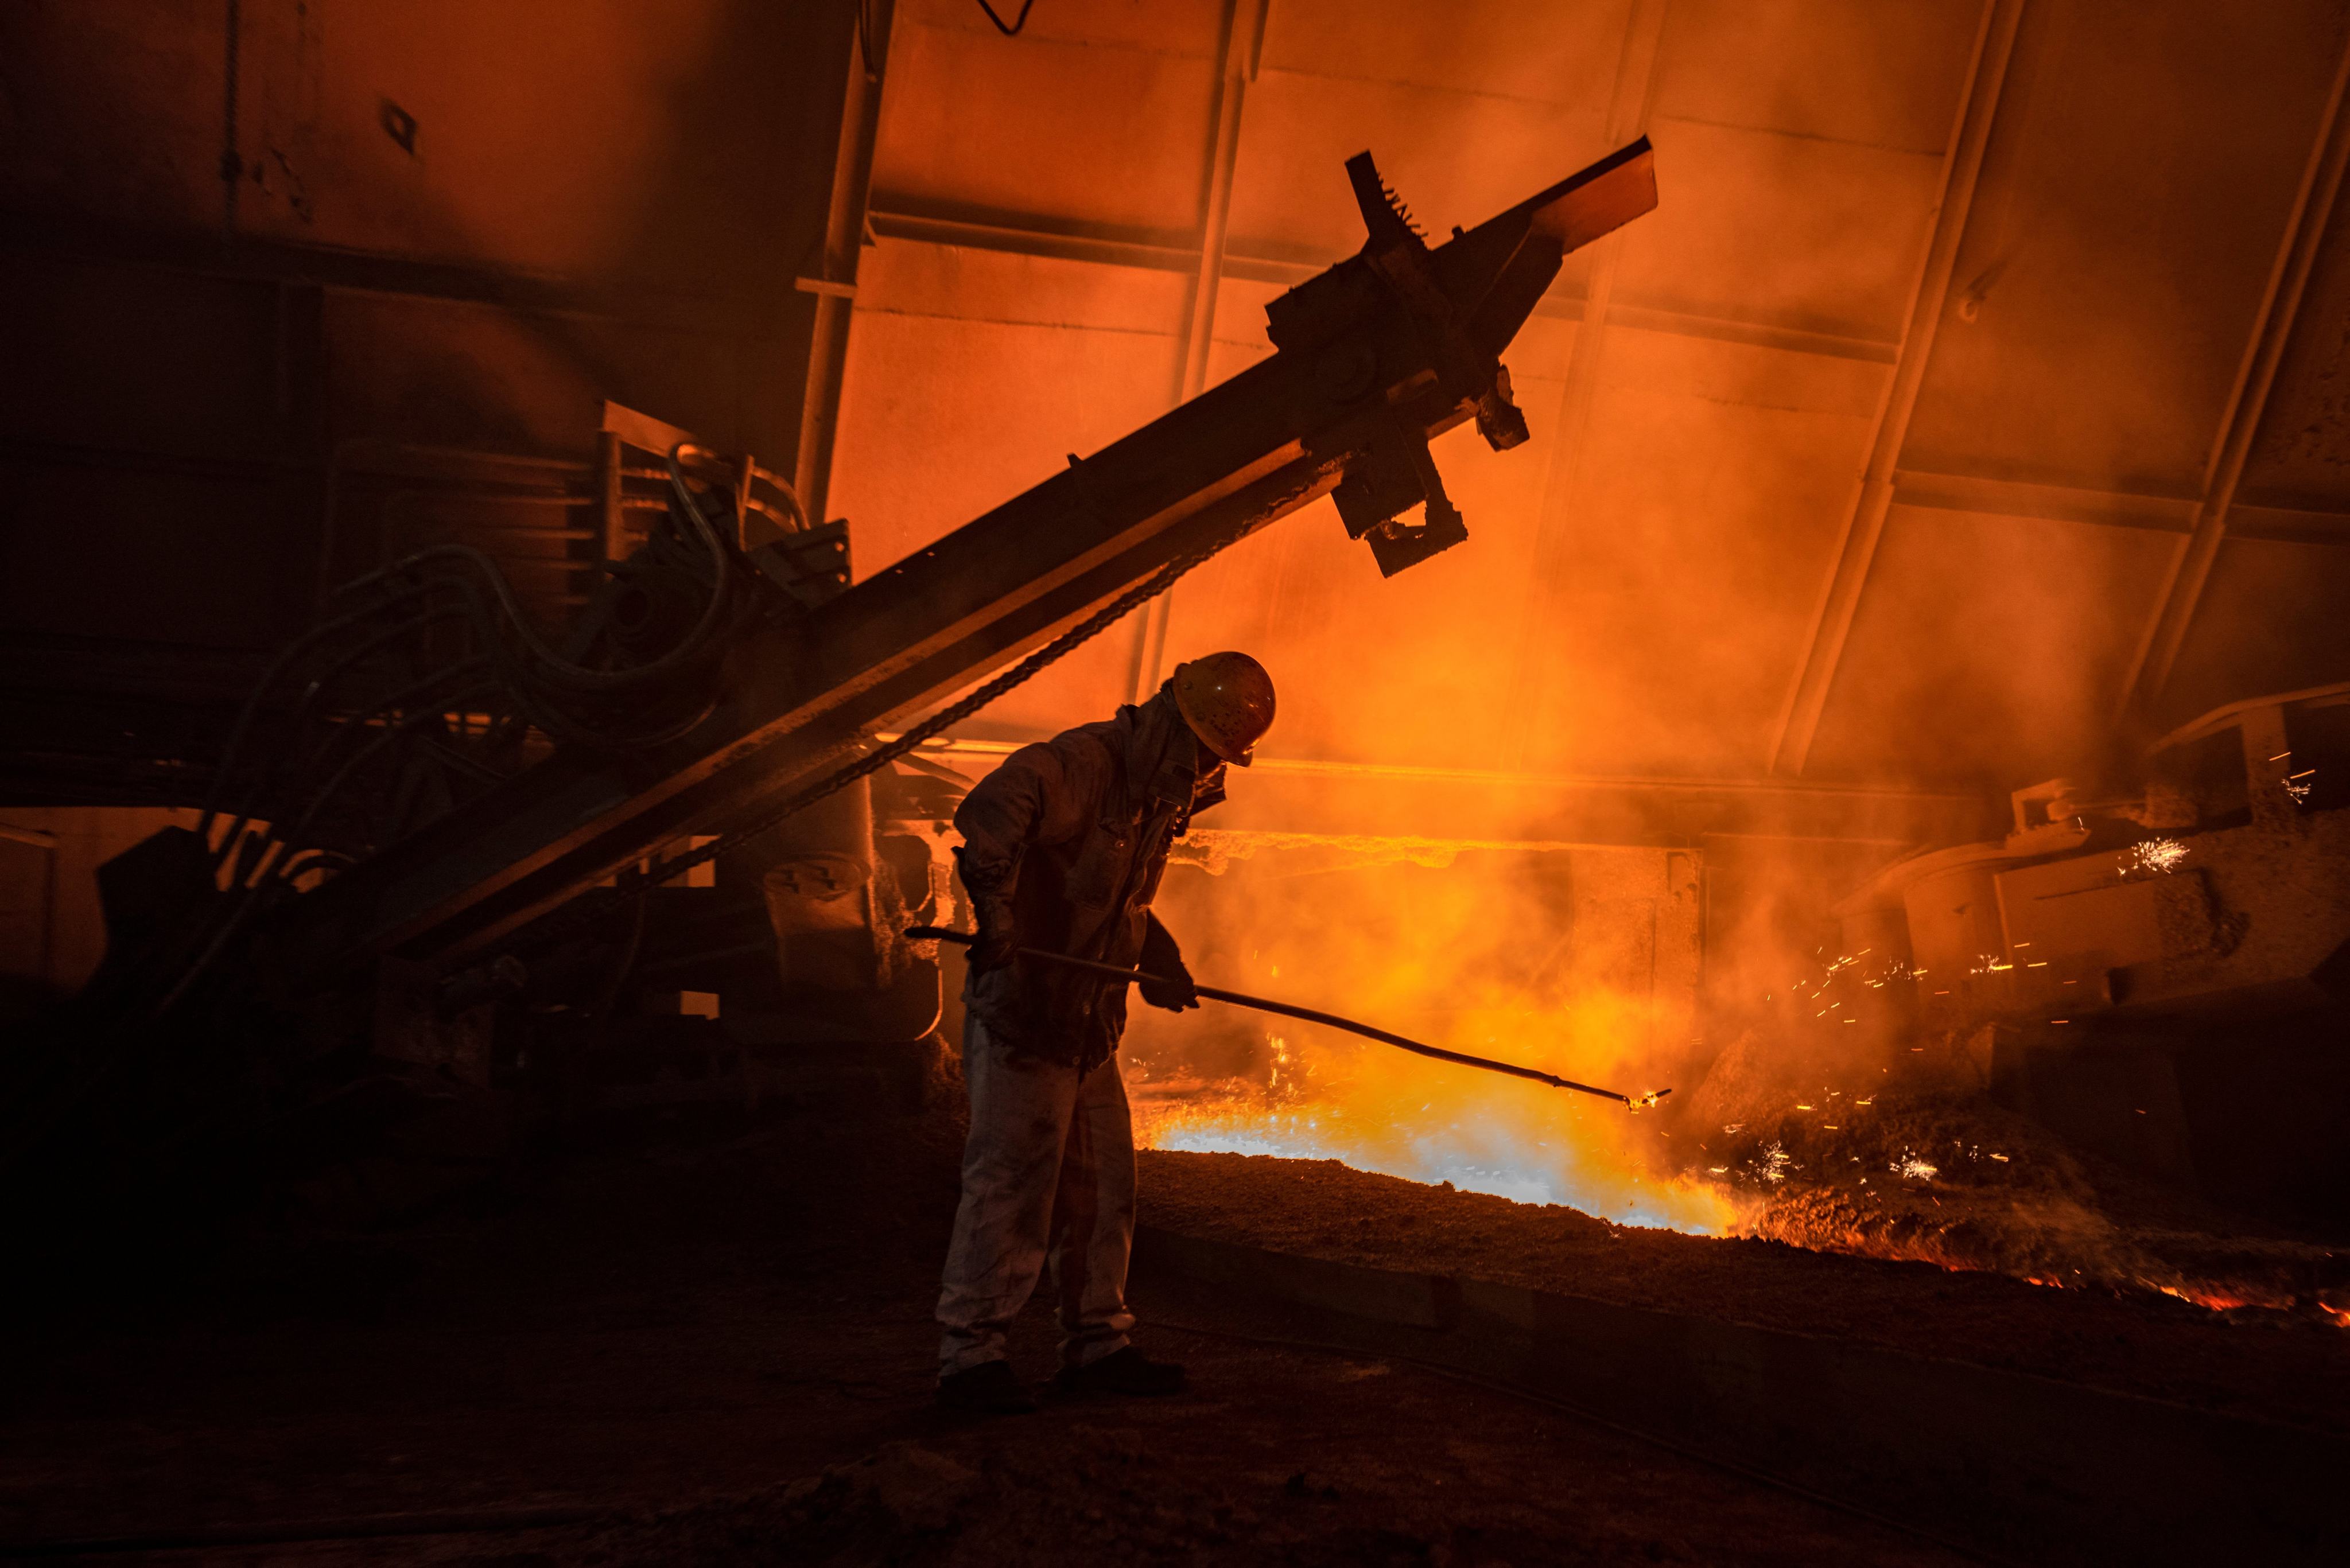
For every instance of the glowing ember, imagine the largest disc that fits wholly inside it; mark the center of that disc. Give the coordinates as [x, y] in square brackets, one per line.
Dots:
[1914, 1167]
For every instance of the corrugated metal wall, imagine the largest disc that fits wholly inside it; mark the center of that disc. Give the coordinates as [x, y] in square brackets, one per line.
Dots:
[249, 243]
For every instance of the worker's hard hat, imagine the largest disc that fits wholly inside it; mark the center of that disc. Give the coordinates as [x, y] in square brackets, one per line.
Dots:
[1227, 699]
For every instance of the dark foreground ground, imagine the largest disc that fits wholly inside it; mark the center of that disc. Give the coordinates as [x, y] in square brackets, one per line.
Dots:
[2270, 1366]
[718, 1354]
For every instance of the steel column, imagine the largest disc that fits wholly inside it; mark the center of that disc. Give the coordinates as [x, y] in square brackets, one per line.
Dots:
[1799, 714]
[1627, 117]
[1243, 43]
[2190, 567]
[834, 288]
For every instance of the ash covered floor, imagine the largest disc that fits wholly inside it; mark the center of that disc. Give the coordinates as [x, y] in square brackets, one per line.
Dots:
[720, 1352]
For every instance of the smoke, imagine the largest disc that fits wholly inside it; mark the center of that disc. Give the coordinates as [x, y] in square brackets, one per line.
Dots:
[1575, 961]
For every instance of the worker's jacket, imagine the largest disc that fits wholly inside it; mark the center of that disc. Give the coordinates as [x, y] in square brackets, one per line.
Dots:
[1062, 848]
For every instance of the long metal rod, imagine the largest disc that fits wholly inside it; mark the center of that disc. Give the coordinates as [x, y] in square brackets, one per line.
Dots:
[1311, 1015]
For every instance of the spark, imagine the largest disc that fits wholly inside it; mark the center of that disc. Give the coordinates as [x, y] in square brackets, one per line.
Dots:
[1912, 1166]
[2153, 857]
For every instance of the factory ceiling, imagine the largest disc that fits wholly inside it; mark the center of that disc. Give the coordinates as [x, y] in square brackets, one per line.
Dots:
[1970, 405]
[1971, 399]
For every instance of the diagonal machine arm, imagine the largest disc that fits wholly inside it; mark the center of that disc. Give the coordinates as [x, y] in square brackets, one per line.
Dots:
[1377, 355]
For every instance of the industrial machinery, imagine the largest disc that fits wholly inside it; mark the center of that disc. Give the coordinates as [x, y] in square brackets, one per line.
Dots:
[446, 838]
[2162, 974]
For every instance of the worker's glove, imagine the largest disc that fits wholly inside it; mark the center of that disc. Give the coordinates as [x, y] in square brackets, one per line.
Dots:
[991, 946]
[1171, 986]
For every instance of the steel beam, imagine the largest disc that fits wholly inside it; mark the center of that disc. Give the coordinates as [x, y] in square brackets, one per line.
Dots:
[898, 217]
[2289, 524]
[1297, 795]
[1244, 40]
[2156, 513]
[901, 217]
[2055, 502]
[1799, 715]
[2190, 567]
[250, 259]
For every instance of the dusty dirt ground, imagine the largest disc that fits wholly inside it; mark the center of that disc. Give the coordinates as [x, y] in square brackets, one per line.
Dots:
[2275, 1365]
[715, 1349]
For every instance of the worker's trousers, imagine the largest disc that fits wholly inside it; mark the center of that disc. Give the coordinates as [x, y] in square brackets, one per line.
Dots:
[1048, 1171]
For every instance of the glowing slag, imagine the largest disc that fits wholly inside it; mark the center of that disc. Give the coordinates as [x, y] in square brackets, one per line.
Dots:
[1473, 1157]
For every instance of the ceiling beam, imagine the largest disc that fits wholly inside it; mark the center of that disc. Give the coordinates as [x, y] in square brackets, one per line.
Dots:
[2190, 567]
[1347, 798]
[1243, 47]
[1998, 497]
[49, 240]
[1031, 234]
[2001, 497]
[1799, 714]
[929, 222]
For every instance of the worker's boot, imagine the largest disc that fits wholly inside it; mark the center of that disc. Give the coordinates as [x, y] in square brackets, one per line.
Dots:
[990, 1389]
[1125, 1372]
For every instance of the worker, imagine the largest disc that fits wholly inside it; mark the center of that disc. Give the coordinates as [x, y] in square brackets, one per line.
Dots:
[1063, 848]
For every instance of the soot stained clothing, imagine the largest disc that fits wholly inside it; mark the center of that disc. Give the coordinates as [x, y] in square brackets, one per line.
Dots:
[1064, 846]
[1048, 1181]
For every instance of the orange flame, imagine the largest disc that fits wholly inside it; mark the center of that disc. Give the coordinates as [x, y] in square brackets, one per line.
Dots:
[1382, 1110]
